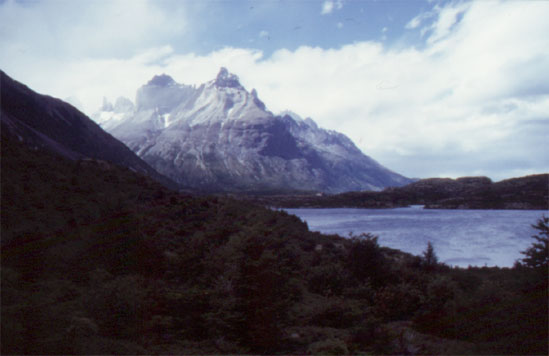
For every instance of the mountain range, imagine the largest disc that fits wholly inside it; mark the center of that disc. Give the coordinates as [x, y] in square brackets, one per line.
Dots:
[220, 137]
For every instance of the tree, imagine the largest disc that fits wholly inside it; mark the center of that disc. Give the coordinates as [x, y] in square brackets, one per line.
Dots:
[430, 259]
[537, 255]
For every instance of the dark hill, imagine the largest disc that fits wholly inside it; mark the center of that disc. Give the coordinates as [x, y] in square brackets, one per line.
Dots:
[530, 192]
[44, 122]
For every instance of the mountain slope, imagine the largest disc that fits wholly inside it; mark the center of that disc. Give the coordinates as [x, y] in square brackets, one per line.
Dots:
[220, 137]
[41, 121]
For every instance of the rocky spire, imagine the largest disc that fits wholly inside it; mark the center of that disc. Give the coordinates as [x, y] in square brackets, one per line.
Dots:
[227, 80]
[107, 105]
[162, 80]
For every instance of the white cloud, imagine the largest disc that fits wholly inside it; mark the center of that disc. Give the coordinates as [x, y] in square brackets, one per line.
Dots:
[447, 17]
[329, 6]
[416, 21]
[264, 34]
[443, 18]
[87, 28]
[77, 48]
[473, 101]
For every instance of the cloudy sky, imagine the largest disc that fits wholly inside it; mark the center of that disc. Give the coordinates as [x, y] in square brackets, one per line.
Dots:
[427, 88]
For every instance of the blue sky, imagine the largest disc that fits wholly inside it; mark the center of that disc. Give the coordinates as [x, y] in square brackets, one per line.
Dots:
[427, 88]
[271, 25]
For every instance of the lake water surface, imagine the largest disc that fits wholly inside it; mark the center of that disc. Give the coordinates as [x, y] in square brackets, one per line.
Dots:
[460, 237]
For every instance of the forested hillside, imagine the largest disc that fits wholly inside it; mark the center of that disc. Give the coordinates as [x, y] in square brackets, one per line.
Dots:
[97, 259]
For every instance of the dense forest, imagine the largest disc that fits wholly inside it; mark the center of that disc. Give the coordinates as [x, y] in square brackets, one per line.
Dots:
[97, 259]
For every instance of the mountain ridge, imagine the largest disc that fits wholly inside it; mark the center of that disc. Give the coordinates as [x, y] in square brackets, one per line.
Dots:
[219, 137]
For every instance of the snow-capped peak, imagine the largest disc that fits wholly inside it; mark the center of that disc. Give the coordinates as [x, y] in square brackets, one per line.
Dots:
[123, 105]
[220, 136]
[298, 119]
[162, 80]
[107, 105]
[291, 114]
[225, 79]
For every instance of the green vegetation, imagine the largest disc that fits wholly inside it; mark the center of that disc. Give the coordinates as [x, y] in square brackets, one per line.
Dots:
[99, 260]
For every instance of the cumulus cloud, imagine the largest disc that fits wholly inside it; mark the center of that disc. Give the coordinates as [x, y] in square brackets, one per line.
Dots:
[75, 49]
[87, 28]
[472, 101]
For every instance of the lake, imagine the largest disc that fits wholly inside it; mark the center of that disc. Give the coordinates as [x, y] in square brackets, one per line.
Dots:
[460, 237]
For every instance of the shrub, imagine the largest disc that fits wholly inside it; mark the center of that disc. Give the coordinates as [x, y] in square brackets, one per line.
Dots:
[328, 347]
[398, 302]
[366, 260]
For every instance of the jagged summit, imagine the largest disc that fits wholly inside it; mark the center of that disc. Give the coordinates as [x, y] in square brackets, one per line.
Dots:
[291, 114]
[220, 137]
[162, 80]
[225, 79]
[107, 105]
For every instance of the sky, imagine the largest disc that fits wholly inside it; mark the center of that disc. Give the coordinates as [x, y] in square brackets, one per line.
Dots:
[427, 88]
